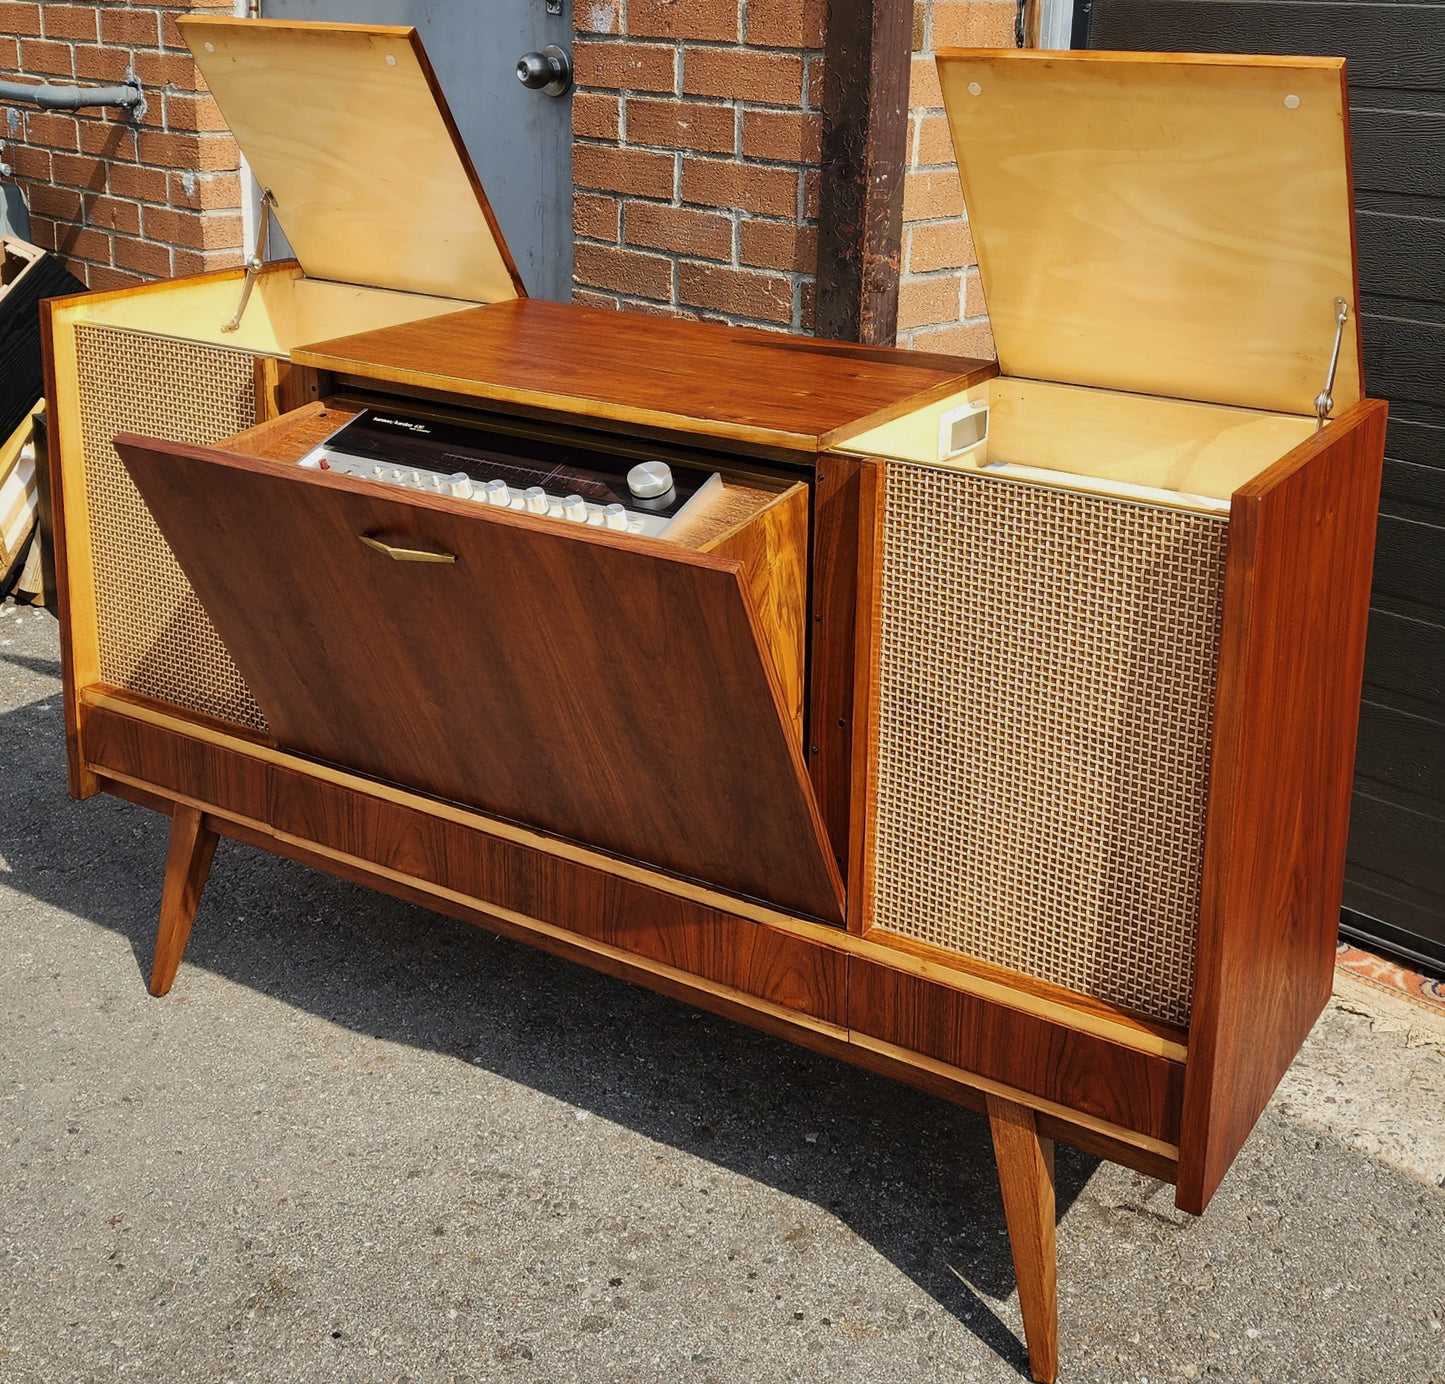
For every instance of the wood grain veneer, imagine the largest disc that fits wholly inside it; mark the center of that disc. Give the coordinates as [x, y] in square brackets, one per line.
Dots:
[188, 862]
[800, 395]
[1297, 584]
[606, 688]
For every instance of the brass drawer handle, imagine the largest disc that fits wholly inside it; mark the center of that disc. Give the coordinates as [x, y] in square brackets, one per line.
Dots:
[405, 554]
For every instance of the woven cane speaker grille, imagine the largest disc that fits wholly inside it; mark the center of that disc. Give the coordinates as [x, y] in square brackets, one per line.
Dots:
[1046, 701]
[154, 636]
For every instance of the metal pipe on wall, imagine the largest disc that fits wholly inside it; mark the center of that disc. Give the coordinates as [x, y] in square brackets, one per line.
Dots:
[73, 98]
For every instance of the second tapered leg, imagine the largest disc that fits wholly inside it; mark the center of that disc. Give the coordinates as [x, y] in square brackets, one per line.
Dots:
[1026, 1177]
[188, 862]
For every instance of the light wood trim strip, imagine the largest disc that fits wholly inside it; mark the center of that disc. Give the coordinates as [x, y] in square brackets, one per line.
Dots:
[1063, 1113]
[1121, 1031]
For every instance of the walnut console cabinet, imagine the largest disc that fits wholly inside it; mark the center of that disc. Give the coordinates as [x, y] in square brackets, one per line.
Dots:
[989, 726]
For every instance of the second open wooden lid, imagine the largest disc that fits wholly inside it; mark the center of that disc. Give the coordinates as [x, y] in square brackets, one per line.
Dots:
[345, 123]
[1174, 224]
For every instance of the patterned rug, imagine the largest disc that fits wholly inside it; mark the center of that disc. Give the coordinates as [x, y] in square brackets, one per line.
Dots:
[1375, 970]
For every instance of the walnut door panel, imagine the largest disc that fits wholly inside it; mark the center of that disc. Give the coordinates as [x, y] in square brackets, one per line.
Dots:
[604, 688]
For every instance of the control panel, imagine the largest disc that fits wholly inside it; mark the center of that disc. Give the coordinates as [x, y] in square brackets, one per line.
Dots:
[527, 474]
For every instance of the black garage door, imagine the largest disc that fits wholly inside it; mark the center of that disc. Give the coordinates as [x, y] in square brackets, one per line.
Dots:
[1395, 882]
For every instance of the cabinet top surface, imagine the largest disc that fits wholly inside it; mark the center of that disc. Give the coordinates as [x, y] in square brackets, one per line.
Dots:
[1168, 224]
[756, 387]
[348, 128]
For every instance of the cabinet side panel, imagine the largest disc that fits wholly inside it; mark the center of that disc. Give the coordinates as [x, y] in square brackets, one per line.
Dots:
[1291, 661]
[152, 635]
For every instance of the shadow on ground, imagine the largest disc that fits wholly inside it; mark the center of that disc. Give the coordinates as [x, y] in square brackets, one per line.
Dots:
[911, 1175]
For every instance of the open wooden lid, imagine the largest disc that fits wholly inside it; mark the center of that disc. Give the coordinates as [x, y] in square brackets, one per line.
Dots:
[345, 123]
[1171, 224]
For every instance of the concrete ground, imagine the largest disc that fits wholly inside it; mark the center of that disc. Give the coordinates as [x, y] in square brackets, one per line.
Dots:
[362, 1142]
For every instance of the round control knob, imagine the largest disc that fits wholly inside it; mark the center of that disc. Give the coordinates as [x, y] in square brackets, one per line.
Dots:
[460, 484]
[574, 509]
[536, 499]
[498, 494]
[615, 517]
[649, 480]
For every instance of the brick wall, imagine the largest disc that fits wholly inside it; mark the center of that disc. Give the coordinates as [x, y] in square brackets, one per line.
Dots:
[122, 201]
[940, 295]
[697, 127]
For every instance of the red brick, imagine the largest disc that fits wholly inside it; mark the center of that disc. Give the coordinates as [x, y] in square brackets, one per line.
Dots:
[680, 125]
[203, 191]
[623, 271]
[623, 66]
[597, 218]
[113, 214]
[75, 240]
[143, 184]
[935, 144]
[786, 23]
[94, 64]
[587, 299]
[682, 230]
[932, 196]
[808, 305]
[973, 303]
[194, 230]
[142, 256]
[633, 171]
[9, 53]
[102, 278]
[19, 19]
[973, 24]
[924, 92]
[185, 111]
[812, 192]
[772, 78]
[56, 203]
[68, 21]
[203, 152]
[787, 136]
[966, 339]
[924, 302]
[29, 163]
[595, 116]
[204, 261]
[737, 292]
[596, 17]
[55, 131]
[126, 27]
[168, 69]
[779, 245]
[77, 170]
[695, 19]
[106, 139]
[42, 233]
[920, 24]
[39, 58]
[747, 187]
[814, 83]
[939, 245]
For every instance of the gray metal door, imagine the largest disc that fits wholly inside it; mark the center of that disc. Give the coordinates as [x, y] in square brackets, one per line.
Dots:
[520, 140]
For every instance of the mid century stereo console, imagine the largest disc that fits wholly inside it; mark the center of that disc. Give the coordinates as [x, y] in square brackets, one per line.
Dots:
[990, 727]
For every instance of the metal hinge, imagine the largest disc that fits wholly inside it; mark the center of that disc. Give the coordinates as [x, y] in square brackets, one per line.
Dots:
[256, 263]
[1325, 399]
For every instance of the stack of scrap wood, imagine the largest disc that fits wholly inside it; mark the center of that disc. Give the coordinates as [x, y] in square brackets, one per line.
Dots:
[20, 508]
[28, 274]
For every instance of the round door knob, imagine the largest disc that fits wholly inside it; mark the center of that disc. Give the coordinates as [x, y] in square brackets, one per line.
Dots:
[650, 479]
[549, 71]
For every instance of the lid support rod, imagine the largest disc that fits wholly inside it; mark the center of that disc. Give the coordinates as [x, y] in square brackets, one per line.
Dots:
[1325, 399]
[257, 263]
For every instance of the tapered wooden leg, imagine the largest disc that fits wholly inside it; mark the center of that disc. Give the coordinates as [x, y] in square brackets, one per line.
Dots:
[1026, 1176]
[188, 862]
